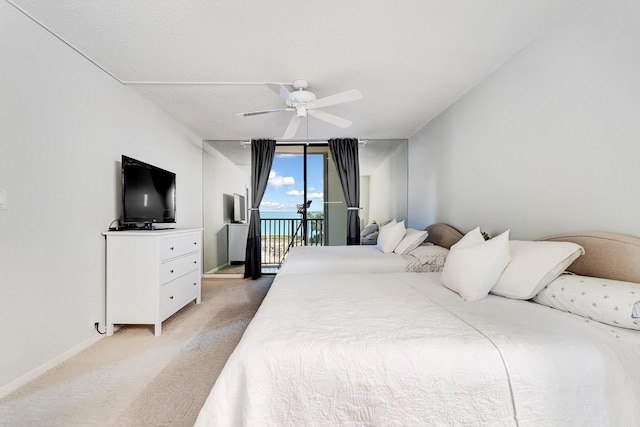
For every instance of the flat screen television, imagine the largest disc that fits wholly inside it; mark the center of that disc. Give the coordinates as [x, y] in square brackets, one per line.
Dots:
[239, 208]
[148, 194]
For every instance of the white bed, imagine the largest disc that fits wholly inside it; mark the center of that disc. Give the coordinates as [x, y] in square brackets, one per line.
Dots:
[350, 259]
[370, 259]
[401, 349]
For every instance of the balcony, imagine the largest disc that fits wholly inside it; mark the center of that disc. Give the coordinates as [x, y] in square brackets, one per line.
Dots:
[281, 234]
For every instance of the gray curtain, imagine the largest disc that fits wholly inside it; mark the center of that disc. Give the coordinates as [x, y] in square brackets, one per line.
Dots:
[345, 156]
[262, 152]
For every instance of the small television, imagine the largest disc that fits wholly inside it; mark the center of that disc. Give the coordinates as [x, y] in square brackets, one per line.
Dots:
[148, 194]
[239, 208]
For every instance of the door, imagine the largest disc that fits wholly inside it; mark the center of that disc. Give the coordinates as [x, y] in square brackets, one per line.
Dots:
[303, 203]
[335, 206]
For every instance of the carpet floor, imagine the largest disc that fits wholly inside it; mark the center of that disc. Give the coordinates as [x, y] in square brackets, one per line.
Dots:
[136, 379]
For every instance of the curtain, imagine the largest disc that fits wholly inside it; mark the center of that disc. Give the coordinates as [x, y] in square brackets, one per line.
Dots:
[345, 156]
[262, 152]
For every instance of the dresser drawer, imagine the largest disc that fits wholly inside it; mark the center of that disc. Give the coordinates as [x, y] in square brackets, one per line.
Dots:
[177, 246]
[176, 294]
[178, 267]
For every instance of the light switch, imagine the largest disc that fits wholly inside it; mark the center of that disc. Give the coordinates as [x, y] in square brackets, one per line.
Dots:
[3, 199]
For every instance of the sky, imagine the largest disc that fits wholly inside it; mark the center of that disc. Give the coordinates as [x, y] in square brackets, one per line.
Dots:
[285, 188]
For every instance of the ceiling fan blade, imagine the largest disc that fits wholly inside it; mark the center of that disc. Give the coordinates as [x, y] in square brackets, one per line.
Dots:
[338, 98]
[292, 128]
[255, 113]
[330, 118]
[281, 90]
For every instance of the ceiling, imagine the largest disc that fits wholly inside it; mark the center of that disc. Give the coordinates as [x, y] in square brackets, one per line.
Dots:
[203, 61]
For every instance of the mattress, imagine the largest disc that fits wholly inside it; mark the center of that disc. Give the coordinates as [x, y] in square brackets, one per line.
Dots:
[400, 349]
[347, 259]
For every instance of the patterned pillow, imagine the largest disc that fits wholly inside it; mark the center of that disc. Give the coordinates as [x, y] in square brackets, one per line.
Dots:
[430, 254]
[413, 265]
[608, 301]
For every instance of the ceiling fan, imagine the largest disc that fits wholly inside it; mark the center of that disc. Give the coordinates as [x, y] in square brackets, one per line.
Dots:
[304, 102]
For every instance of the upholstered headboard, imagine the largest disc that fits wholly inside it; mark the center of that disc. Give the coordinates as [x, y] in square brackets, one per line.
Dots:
[607, 255]
[443, 235]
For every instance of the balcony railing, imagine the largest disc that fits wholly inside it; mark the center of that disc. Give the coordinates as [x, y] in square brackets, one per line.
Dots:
[279, 235]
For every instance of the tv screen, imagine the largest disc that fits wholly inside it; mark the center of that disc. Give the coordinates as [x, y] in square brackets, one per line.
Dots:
[239, 208]
[148, 193]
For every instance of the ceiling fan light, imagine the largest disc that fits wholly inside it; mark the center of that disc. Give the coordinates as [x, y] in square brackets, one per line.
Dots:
[301, 111]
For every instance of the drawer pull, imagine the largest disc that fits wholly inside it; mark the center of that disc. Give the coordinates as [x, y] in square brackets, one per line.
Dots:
[171, 297]
[194, 284]
[195, 262]
[170, 271]
[171, 248]
[195, 243]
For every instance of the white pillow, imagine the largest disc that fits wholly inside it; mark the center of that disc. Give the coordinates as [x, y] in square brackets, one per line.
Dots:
[389, 224]
[474, 265]
[389, 237]
[533, 266]
[371, 228]
[411, 240]
[612, 302]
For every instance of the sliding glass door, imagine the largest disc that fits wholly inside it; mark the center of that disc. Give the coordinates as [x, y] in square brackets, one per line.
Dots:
[303, 204]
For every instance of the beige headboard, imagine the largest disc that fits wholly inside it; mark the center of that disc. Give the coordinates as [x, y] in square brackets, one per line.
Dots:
[607, 255]
[443, 235]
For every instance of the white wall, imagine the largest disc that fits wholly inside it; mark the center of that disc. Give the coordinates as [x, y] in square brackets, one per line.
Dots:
[388, 187]
[64, 124]
[549, 143]
[221, 178]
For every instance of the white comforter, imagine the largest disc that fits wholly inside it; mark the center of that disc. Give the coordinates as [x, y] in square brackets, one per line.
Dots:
[340, 259]
[400, 349]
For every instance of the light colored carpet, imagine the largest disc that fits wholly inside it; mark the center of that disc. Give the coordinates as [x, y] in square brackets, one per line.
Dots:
[136, 379]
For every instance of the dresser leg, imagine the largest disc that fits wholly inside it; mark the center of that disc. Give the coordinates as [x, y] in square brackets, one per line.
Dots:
[157, 330]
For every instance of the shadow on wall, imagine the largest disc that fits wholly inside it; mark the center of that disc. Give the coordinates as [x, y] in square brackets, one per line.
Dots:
[227, 208]
[222, 246]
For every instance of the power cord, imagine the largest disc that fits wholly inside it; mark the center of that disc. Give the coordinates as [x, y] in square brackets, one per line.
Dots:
[98, 329]
[117, 227]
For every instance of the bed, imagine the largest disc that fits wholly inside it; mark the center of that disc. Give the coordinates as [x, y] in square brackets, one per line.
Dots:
[426, 257]
[401, 349]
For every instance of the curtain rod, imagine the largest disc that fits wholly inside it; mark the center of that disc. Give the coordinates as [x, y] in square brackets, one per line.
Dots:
[361, 142]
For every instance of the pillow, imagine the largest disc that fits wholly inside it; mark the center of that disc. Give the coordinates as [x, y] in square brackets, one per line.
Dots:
[430, 254]
[474, 265]
[608, 301]
[410, 241]
[371, 228]
[388, 223]
[370, 239]
[389, 236]
[533, 266]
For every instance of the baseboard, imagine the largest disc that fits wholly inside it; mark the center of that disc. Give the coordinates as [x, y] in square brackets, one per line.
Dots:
[50, 364]
[214, 270]
[213, 274]
[223, 276]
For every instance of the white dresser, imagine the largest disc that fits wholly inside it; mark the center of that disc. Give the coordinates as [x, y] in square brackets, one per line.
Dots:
[151, 274]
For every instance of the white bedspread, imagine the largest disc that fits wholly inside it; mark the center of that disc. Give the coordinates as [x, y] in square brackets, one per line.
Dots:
[340, 259]
[400, 349]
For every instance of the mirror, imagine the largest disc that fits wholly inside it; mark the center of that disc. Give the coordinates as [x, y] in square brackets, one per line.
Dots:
[226, 170]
